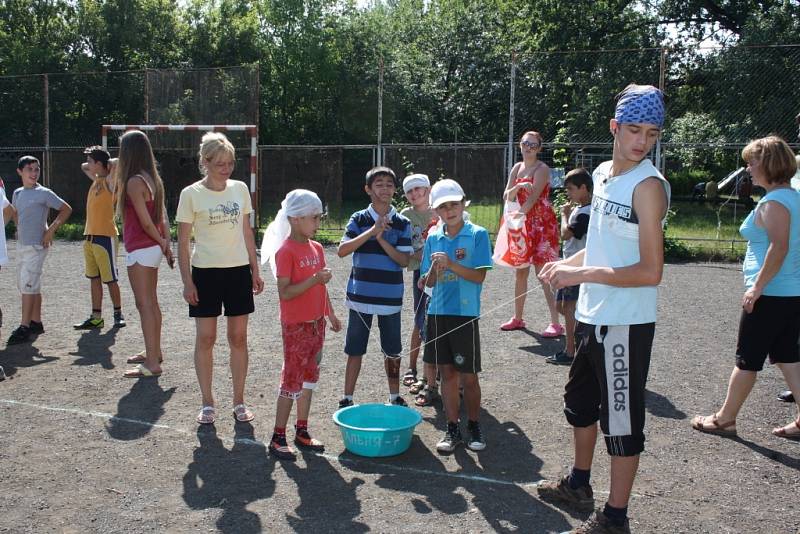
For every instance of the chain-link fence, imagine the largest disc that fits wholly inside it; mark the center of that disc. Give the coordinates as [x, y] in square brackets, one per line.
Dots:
[325, 138]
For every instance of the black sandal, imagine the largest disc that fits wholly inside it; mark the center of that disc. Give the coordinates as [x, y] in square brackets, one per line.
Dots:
[410, 377]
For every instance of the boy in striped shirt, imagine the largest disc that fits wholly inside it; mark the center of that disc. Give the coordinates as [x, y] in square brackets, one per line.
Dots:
[379, 239]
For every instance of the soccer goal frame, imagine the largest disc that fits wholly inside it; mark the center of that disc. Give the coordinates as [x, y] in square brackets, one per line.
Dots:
[250, 129]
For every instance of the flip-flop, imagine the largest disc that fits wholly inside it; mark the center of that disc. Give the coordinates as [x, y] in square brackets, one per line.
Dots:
[410, 377]
[781, 432]
[720, 429]
[242, 414]
[140, 358]
[207, 415]
[140, 371]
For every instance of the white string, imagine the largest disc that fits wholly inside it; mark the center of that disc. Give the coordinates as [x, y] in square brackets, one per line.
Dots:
[427, 342]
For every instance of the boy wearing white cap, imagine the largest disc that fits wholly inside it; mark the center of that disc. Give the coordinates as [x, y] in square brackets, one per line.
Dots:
[417, 189]
[619, 270]
[456, 256]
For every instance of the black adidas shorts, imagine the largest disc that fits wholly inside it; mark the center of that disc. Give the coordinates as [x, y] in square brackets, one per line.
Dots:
[607, 383]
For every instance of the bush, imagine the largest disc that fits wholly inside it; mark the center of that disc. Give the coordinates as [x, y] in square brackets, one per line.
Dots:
[682, 182]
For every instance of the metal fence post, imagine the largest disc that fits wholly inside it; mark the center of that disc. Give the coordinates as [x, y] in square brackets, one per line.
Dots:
[510, 154]
[380, 110]
[46, 158]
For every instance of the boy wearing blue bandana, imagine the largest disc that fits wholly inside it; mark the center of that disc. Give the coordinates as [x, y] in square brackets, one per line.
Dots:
[455, 258]
[620, 269]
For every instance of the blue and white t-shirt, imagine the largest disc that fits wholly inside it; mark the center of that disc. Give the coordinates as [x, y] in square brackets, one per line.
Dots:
[376, 280]
[452, 295]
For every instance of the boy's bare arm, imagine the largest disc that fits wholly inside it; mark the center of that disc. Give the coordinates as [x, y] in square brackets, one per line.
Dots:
[86, 171]
[9, 213]
[348, 247]
[288, 291]
[443, 262]
[61, 218]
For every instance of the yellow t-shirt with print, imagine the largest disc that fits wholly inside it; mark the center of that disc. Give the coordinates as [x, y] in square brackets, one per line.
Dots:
[217, 218]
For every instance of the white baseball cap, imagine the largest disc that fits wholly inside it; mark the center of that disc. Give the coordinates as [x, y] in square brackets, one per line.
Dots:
[415, 180]
[446, 190]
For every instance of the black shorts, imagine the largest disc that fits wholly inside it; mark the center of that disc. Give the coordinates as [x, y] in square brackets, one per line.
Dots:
[771, 330]
[453, 340]
[607, 381]
[228, 286]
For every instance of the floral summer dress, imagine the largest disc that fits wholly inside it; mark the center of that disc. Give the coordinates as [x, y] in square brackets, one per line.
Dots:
[541, 224]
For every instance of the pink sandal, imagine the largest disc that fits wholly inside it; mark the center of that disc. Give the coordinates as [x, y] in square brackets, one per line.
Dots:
[513, 324]
[553, 330]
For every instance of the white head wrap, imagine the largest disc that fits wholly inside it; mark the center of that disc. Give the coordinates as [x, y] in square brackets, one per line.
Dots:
[298, 203]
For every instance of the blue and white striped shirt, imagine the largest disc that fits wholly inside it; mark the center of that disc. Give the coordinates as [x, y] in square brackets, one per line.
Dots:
[376, 280]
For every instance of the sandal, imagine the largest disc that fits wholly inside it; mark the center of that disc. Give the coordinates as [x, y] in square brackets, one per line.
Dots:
[207, 415]
[782, 433]
[426, 396]
[242, 414]
[418, 386]
[410, 377]
[140, 358]
[140, 371]
[720, 429]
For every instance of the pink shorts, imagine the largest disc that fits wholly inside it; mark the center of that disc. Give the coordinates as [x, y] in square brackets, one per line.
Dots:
[302, 352]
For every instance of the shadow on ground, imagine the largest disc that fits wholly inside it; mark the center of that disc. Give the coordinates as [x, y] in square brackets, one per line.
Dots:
[94, 348]
[139, 409]
[230, 479]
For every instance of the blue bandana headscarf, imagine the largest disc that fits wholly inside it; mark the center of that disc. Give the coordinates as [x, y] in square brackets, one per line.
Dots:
[640, 104]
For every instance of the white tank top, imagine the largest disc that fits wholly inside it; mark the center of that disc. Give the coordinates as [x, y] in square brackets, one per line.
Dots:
[613, 241]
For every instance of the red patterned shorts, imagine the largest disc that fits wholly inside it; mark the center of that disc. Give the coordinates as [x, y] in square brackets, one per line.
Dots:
[302, 352]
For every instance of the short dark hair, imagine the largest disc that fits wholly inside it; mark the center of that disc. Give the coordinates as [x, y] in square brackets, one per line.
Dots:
[374, 172]
[98, 153]
[579, 177]
[27, 160]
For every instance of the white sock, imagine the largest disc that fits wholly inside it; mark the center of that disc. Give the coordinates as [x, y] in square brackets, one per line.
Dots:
[393, 396]
[348, 397]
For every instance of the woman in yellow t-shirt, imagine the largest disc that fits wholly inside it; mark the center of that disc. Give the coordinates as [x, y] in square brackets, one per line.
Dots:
[222, 272]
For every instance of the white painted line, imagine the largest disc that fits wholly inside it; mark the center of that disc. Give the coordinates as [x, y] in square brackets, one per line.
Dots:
[258, 443]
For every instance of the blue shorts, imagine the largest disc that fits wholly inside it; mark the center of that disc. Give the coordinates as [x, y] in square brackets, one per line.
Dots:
[569, 293]
[358, 328]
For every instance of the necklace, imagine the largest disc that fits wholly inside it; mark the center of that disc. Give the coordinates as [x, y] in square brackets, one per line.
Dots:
[207, 184]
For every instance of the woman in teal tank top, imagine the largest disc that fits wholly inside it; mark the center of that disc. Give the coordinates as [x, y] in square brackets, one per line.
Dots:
[770, 321]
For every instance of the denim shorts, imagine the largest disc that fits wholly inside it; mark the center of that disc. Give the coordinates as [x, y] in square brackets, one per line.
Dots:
[358, 328]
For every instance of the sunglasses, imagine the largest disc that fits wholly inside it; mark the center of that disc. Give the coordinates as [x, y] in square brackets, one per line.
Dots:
[529, 144]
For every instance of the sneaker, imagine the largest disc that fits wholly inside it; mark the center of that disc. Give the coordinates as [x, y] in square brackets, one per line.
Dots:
[119, 320]
[559, 358]
[36, 327]
[599, 523]
[450, 440]
[20, 335]
[786, 396]
[304, 440]
[553, 330]
[89, 324]
[280, 449]
[399, 401]
[513, 324]
[344, 403]
[476, 441]
[580, 499]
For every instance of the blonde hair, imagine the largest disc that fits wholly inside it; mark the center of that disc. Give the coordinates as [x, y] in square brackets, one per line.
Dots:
[211, 146]
[537, 135]
[136, 158]
[776, 158]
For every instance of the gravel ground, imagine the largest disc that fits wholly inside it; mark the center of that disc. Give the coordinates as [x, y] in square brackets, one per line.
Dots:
[83, 449]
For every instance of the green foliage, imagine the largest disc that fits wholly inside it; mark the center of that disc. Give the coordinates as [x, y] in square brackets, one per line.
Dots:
[681, 182]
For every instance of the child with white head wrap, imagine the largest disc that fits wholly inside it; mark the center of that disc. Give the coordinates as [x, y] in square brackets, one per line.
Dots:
[298, 203]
